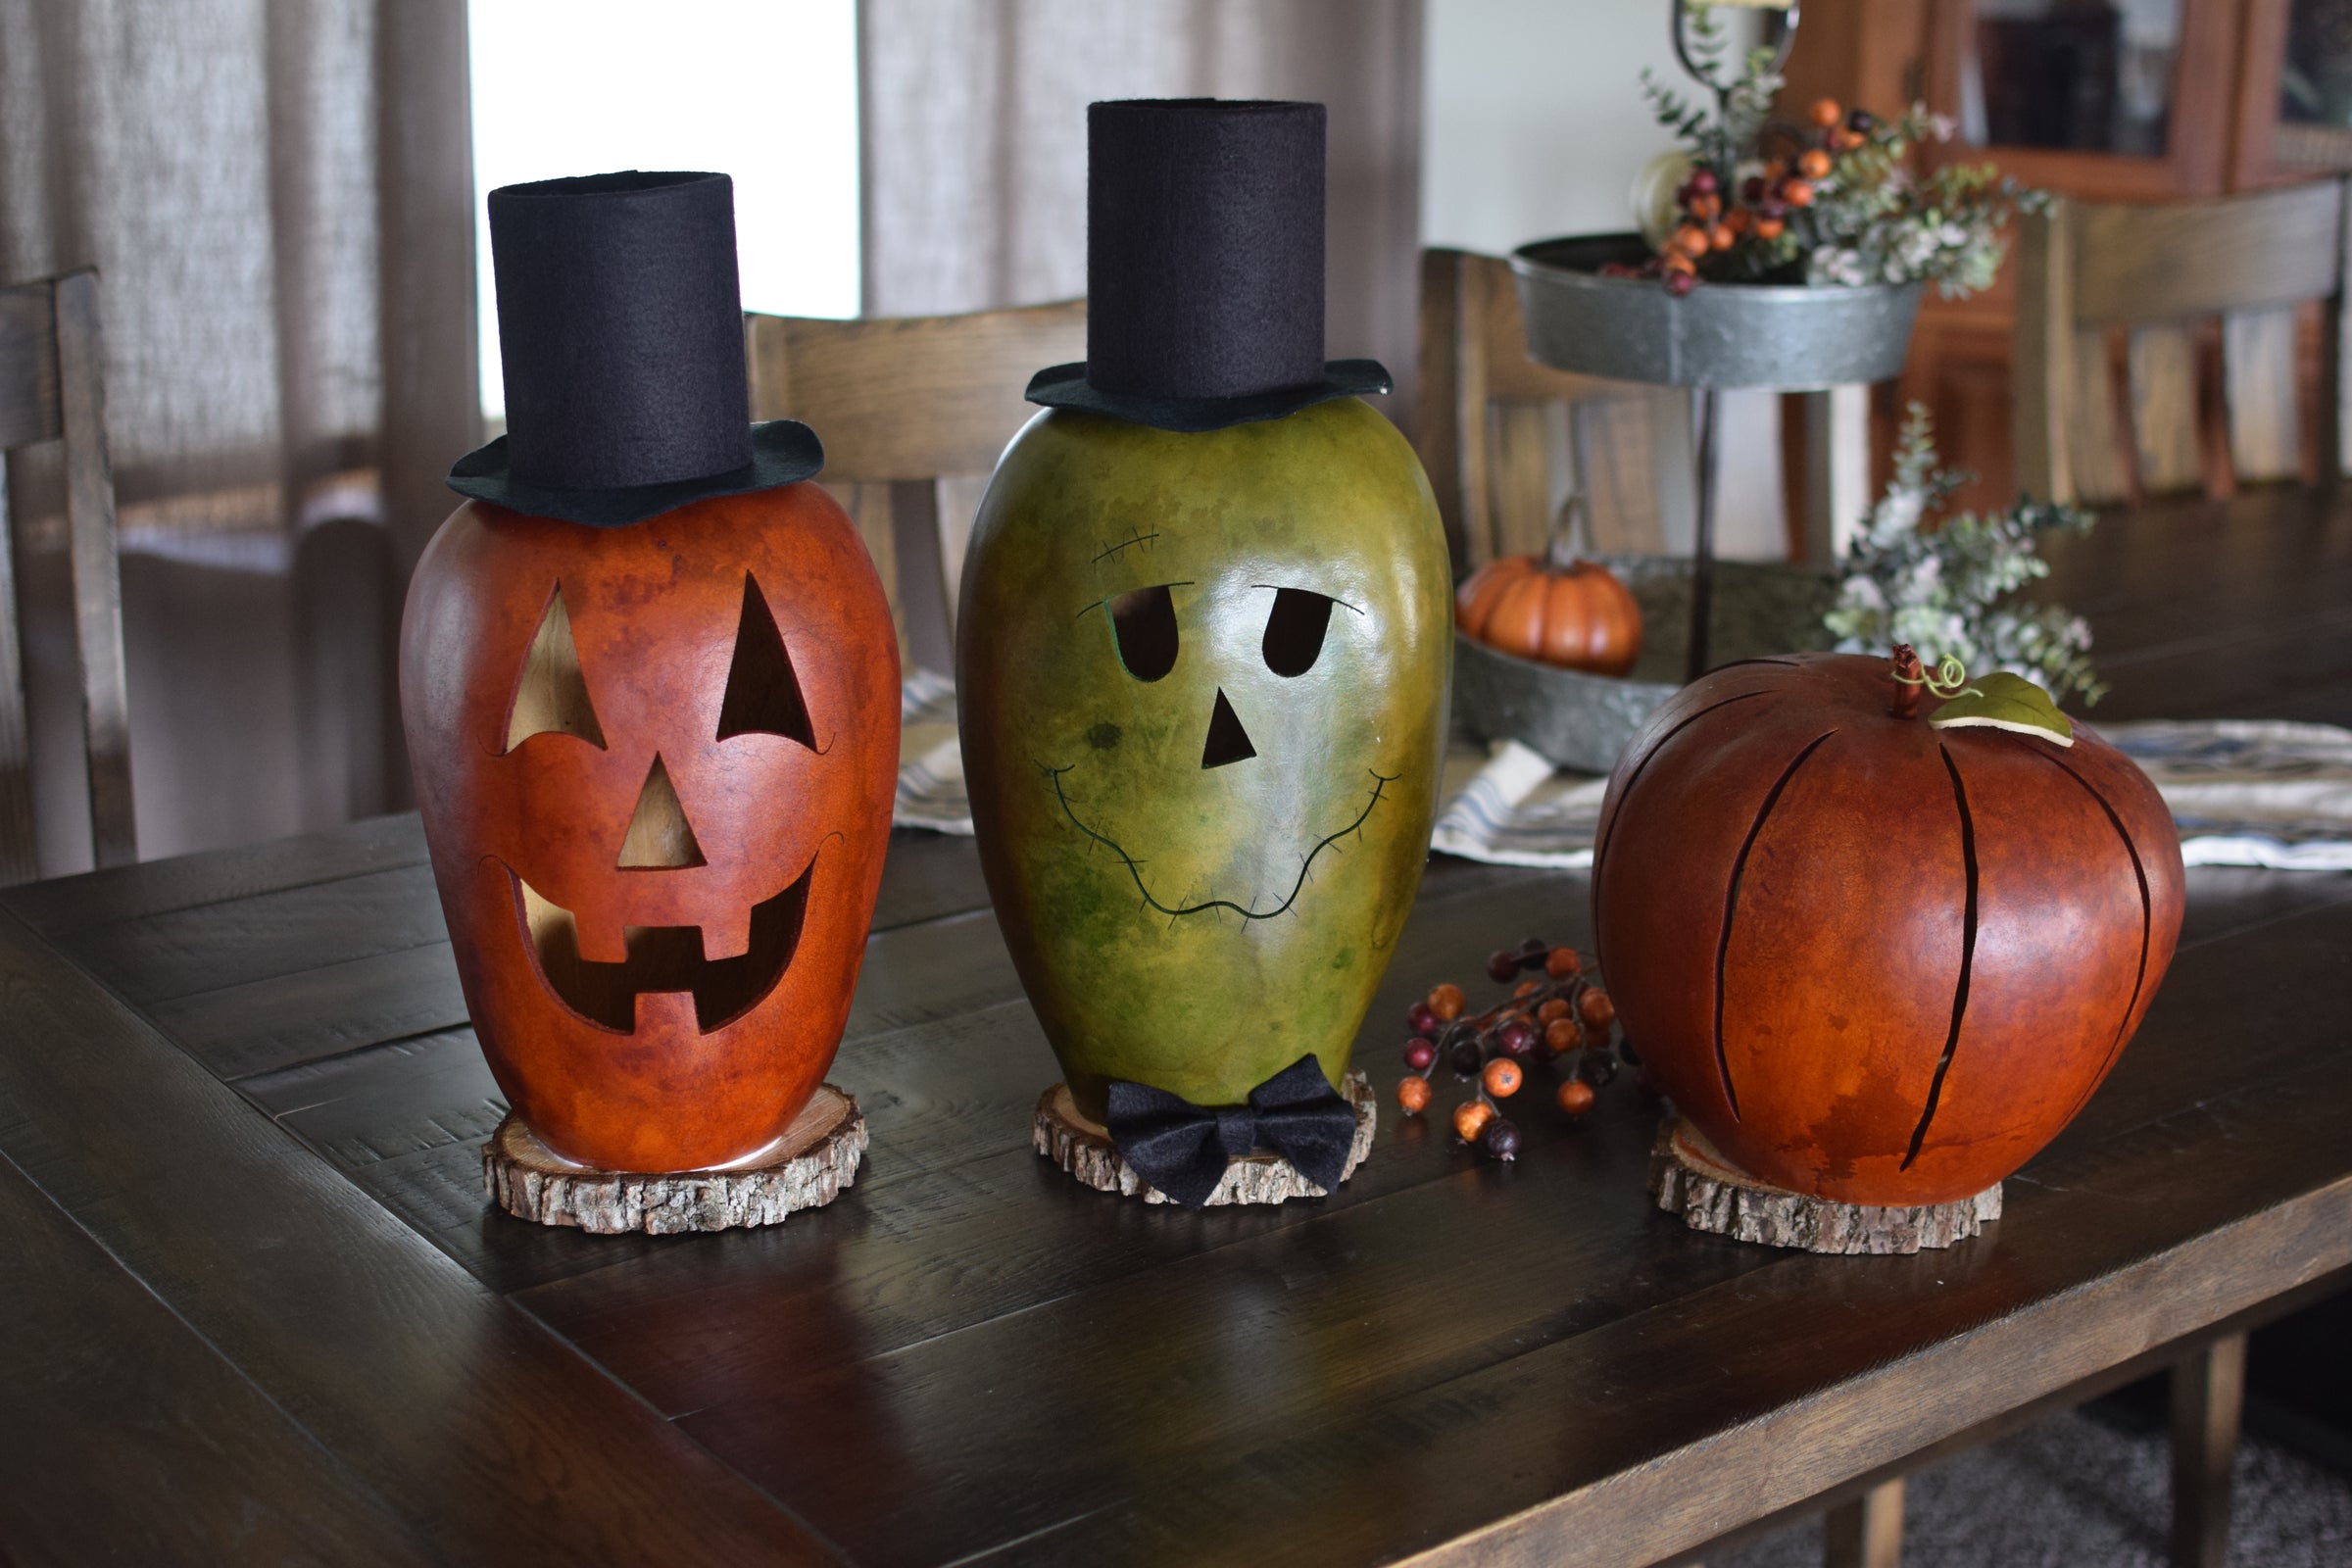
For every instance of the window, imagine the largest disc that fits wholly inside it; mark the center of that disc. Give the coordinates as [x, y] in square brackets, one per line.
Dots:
[764, 90]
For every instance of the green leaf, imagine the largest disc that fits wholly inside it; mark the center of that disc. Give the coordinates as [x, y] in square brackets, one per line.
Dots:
[2002, 700]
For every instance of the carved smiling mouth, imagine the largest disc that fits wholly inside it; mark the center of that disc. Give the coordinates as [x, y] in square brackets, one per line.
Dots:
[1306, 862]
[663, 958]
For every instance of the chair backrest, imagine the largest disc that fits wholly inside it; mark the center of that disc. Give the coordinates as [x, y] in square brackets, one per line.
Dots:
[913, 412]
[51, 390]
[2161, 274]
[1505, 439]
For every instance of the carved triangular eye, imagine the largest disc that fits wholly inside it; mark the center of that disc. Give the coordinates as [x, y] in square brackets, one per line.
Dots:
[763, 692]
[552, 694]
[659, 833]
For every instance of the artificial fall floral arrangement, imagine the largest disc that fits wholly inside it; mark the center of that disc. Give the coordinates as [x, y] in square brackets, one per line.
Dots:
[1944, 585]
[1835, 201]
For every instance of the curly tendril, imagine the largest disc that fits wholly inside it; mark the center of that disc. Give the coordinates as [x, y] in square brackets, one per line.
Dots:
[1948, 680]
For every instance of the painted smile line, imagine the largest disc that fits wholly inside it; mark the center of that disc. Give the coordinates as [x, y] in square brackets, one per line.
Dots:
[663, 958]
[1380, 785]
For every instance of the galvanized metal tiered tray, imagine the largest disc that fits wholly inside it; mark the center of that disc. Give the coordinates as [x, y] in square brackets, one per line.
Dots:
[1777, 336]
[1580, 721]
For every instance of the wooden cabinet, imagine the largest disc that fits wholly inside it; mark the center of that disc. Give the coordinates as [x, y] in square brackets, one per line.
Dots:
[2104, 100]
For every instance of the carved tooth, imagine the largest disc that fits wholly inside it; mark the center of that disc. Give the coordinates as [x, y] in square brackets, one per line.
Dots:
[670, 1011]
[599, 941]
[727, 938]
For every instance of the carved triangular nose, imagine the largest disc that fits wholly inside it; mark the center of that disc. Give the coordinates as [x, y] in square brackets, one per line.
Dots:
[659, 833]
[1228, 741]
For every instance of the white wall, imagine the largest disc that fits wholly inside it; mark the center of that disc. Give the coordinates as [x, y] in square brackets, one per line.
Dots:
[1532, 121]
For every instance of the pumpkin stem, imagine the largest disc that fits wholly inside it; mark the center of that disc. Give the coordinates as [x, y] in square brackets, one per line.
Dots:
[1911, 681]
[1948, 680]
[1560, 551]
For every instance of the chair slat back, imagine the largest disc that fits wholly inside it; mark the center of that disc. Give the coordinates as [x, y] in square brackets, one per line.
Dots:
[28, 403]
[52, 387]
[914, 412]
[2163, 276]
[2156, 262]
[1504, 439]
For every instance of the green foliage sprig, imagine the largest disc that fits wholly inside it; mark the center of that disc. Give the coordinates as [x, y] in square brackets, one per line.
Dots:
[1945, 585]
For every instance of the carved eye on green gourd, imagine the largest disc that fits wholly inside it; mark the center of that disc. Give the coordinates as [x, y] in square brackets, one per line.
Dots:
[1202, 678]
[1143, 625]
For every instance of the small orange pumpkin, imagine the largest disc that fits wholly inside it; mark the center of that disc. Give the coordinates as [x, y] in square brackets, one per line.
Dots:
[1576, 616]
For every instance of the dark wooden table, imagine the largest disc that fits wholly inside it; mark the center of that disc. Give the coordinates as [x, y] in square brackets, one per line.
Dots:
[253, 1308]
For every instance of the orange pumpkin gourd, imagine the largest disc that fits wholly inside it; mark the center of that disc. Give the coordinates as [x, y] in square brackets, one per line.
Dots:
[1577, 615]
[1874, 960]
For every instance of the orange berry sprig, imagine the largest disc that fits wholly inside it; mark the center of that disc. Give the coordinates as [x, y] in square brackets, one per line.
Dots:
[1557, 1008]
[1734, 229]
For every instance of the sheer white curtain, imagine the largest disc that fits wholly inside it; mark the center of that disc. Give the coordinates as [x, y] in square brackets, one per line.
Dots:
[278, 198]
[973, 118]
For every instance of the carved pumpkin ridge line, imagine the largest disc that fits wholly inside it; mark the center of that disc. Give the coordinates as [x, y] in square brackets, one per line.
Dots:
[2147, 922]
[1731, 906]
[1610, 829]
[1968, 954]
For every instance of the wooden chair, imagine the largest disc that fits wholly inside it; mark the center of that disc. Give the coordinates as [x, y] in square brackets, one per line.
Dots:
[2160, 272]
[913, 412]
[1505, 439]
[51, 390]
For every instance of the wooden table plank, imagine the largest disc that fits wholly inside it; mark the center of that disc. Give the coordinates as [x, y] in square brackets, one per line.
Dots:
[285, 1020]
[1573, 1446]
[181, 952]
[129, 1438]
[495, 1441]
[64, 905]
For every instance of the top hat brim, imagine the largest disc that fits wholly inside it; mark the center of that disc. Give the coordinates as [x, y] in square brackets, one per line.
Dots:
[783, 452]
[1065, 386]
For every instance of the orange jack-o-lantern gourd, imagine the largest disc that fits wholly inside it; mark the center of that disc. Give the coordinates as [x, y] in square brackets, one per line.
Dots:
[652, 698]
[1878, 945]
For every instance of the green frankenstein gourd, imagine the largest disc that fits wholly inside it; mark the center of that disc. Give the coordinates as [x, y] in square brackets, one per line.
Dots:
[1204, 677]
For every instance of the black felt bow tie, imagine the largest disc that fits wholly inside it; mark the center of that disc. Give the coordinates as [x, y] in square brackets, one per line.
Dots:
[1182, 1149]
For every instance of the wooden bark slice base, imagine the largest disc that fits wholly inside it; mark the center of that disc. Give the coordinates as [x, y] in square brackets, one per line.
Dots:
[1692, 1179]
[1085, 1150]
[809, 1166]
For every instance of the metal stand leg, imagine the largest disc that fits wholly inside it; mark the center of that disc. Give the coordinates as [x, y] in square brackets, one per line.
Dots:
[2208, 1395]
[1867, 1532]
[1702, 548]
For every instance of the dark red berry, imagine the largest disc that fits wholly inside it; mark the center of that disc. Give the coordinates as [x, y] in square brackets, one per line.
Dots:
[1467, 1057]
[1860, 121]
[1599, 1066]
[1752, 189]
[1421, 1020]
[1517, 1039]
[1533, 951]
[1772, 207]
[1419, 1055]
[1501, 1138]
[1679, 285]
[1701, 181]
[1501, 965]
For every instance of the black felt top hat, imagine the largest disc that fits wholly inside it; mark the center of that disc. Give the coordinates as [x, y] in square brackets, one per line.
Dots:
[620, 323]
[1204, 267]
